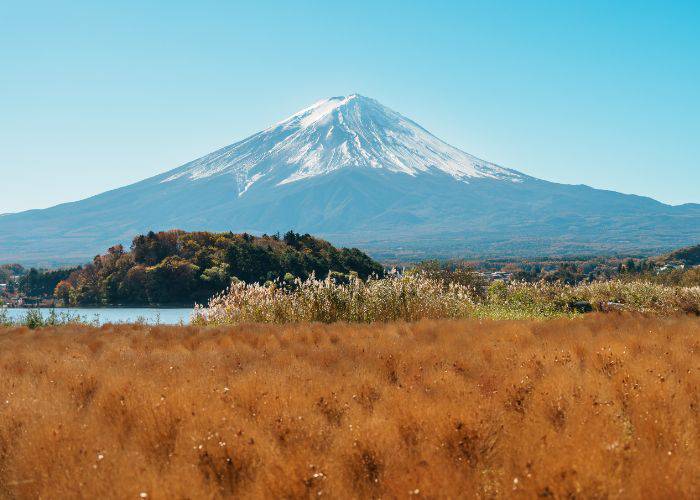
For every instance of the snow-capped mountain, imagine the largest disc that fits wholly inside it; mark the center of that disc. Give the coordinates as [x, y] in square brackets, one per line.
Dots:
[358, 173]
[338, 133]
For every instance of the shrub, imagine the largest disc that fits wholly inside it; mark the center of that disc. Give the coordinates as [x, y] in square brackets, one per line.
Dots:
[641, 296]
[34, 318]
[4, 317]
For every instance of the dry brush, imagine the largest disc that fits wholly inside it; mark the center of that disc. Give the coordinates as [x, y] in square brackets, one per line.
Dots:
[594, 407]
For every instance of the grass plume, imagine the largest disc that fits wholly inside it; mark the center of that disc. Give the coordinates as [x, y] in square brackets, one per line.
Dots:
[418, 296]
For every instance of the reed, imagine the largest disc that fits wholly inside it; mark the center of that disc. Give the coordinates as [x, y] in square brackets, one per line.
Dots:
[417, 296]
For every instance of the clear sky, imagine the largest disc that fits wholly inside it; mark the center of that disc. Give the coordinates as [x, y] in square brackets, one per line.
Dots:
[96, 95]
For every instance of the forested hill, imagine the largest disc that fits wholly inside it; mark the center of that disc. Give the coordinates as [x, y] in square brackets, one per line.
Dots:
[177, 267]
[690, 256]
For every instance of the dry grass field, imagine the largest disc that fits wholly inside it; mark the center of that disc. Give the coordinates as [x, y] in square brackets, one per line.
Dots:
[602, 406]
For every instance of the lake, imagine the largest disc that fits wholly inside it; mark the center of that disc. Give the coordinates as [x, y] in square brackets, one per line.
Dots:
[164, 316]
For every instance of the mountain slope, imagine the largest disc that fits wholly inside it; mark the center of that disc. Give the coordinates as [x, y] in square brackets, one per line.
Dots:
[356, 173]
[334, 134]
[689, 256]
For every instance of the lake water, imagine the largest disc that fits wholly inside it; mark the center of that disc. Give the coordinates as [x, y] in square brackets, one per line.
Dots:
[163, 316]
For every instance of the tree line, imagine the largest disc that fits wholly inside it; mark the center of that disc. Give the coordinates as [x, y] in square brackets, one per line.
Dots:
[180, 268]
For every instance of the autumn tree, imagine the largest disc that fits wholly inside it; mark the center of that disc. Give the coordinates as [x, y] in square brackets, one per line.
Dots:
[175, 267]
[62, 292]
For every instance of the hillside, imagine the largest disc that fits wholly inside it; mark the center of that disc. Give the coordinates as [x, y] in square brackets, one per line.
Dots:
[176, 267]
[690, 256]
[357, 174]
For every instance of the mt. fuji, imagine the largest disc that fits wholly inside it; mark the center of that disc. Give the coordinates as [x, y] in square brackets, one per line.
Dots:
[357, 173]
[334, 134]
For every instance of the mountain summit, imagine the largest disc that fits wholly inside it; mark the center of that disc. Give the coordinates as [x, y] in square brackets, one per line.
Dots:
[357, 173]
[337, 133]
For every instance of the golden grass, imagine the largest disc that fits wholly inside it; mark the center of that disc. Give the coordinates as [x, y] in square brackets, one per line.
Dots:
[594, 407]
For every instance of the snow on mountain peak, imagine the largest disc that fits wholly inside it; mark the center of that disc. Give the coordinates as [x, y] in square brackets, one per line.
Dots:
[340, 132]
[317, 111]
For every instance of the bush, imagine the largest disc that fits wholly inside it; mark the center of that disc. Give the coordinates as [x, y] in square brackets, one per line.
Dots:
[4, 317]
[33, 319]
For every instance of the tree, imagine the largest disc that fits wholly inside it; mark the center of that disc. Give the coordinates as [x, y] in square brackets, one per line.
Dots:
[86, 288]
[133, 288]
[42, 283]
[218, 277]
[154, 247]
[62, 292]
[171, 281]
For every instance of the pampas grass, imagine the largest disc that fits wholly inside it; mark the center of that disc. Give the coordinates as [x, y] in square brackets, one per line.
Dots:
[417, 296]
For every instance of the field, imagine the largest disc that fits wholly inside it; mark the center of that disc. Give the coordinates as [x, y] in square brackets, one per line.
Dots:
[592, 407]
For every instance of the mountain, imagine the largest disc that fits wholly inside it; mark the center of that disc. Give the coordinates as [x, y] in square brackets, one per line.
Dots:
[357, 173]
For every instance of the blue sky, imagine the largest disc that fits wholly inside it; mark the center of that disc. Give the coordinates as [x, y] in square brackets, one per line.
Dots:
[95, 95]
